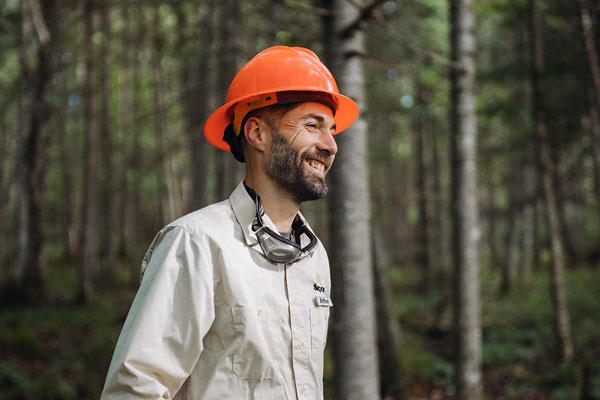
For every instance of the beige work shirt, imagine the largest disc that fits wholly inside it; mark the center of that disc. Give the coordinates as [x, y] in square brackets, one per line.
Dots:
[214, 319]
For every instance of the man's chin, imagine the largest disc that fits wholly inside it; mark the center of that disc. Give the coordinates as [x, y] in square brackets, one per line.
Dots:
[308, 191]
[317, 191]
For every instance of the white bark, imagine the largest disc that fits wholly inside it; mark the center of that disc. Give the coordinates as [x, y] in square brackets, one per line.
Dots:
[466, 225]
[354, 325]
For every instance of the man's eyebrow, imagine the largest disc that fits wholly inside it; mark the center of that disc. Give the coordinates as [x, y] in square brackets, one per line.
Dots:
[315, 116]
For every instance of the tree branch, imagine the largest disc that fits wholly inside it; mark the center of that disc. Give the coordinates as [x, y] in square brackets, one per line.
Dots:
[365, 14]
[38, 21]
[292, 5]
[379, 18]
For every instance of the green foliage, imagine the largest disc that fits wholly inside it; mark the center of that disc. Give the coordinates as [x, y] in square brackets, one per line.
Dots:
[518, 353]
[421, 364]
[59, 351]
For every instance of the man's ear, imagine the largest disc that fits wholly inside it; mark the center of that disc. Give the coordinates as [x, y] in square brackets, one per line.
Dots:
[255, 133]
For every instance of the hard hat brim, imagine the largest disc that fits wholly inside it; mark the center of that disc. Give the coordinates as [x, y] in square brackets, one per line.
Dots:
[345, 114]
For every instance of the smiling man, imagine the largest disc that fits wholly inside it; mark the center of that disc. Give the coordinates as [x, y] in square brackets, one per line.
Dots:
[234, 298]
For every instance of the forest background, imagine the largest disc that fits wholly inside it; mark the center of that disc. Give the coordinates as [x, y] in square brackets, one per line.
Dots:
[102, 106]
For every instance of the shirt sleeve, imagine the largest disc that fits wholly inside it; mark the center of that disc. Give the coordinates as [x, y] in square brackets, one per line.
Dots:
[161, 339]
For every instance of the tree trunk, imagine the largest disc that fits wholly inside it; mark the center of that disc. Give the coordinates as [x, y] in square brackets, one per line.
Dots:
[393, 385]
[557, 287]
[8, 183]
[108, 193]
[90, 179]
[274, 10]
[354, 325]
[528, 246]
[565, 223]
[422, 258]
[171, 192]
[439, 213]
[124, 131]
[592, 58]
[228, 169]
[492, 228]
[512, 251]
[133, 37]
[195, 97]
[3, 206]
[67, 167]
[594, 134]
[509, 267]
[39, 19]
[464, 183]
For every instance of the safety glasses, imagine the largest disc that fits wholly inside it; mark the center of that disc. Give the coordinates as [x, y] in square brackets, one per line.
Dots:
[277, 248]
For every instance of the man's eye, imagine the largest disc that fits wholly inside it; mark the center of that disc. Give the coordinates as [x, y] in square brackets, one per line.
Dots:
[312, 125]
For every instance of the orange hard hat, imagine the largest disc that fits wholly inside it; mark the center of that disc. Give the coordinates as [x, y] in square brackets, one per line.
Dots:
[278, 75]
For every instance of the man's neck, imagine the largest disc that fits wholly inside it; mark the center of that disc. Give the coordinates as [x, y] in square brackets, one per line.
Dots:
[276, 202]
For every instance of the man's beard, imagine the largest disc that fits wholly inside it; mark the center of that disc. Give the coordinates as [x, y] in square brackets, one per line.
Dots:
[286, 168]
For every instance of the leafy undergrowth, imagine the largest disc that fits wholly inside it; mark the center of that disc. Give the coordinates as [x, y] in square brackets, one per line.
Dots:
[61, 351]
[519, 356]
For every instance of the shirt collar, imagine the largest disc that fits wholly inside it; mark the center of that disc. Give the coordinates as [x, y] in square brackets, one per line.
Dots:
[244, 209]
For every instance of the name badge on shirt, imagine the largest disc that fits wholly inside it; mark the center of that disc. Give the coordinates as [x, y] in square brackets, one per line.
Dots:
[323, 301]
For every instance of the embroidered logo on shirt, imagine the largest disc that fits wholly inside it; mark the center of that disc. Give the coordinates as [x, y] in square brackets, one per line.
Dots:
[317, 286]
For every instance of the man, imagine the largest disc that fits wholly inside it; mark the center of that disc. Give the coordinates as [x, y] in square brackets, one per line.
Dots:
[234, 298]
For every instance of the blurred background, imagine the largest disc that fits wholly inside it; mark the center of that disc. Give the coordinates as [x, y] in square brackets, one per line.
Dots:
[102, 106]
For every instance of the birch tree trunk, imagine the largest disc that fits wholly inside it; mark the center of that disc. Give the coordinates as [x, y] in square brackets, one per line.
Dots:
[557, 288]
[354, 325]
[467, 328]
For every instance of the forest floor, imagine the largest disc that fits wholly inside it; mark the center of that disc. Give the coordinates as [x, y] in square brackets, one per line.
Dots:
[59, 350]
[519, 355]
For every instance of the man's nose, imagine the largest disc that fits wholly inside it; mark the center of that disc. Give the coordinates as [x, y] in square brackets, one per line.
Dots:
[328, 143]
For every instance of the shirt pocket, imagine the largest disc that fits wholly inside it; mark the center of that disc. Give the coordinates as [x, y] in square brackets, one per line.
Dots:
[319, 318]
[258, 341]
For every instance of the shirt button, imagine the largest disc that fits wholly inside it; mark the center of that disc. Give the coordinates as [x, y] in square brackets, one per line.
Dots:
[259, 312]
[302, 390]
[299, 345]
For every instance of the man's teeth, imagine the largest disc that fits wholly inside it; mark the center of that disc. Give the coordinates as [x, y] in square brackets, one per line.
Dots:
[316, 165]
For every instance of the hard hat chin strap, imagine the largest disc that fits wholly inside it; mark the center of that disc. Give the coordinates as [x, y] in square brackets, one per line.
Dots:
[232, 133]
[234, 142]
